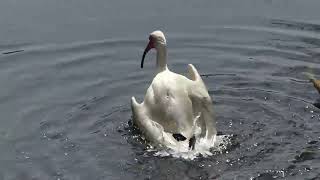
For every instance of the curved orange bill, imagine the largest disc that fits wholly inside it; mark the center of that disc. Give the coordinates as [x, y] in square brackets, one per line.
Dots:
[149, 46]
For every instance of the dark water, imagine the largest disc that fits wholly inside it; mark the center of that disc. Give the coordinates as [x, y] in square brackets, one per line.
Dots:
[69, 68]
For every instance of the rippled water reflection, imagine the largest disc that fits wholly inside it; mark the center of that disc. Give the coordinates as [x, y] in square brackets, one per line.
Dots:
[68, 70]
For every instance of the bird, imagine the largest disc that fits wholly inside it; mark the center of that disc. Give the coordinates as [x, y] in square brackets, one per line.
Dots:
[316, 85]
[176, 109]
[315, 82]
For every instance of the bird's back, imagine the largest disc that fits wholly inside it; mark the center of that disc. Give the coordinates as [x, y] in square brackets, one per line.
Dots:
[167, 102]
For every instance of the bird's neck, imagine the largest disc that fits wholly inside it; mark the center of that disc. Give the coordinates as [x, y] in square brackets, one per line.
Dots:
[161, 58]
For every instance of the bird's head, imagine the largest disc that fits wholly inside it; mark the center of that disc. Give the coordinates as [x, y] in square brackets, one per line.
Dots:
[156, 40]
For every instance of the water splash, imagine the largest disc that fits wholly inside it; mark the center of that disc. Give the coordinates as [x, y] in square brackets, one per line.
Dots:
[203, 148]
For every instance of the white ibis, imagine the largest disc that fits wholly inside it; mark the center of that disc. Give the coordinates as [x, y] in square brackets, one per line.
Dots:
[176, 109]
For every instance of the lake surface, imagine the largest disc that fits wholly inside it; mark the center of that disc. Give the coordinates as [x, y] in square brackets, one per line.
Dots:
[69, 68]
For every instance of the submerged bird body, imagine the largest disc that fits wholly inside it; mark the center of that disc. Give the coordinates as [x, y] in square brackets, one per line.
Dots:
[174, 105]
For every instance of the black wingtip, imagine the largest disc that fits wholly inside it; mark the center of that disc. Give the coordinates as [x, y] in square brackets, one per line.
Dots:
[179, 137]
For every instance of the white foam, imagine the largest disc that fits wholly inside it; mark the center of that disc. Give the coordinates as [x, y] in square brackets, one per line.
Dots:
[204, 147]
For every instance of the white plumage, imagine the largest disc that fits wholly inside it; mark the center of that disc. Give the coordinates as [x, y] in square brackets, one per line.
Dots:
[173, 104]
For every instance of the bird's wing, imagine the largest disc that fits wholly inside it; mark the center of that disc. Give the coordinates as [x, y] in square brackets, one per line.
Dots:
[201, 102]
[197, 87]
[193, 73]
